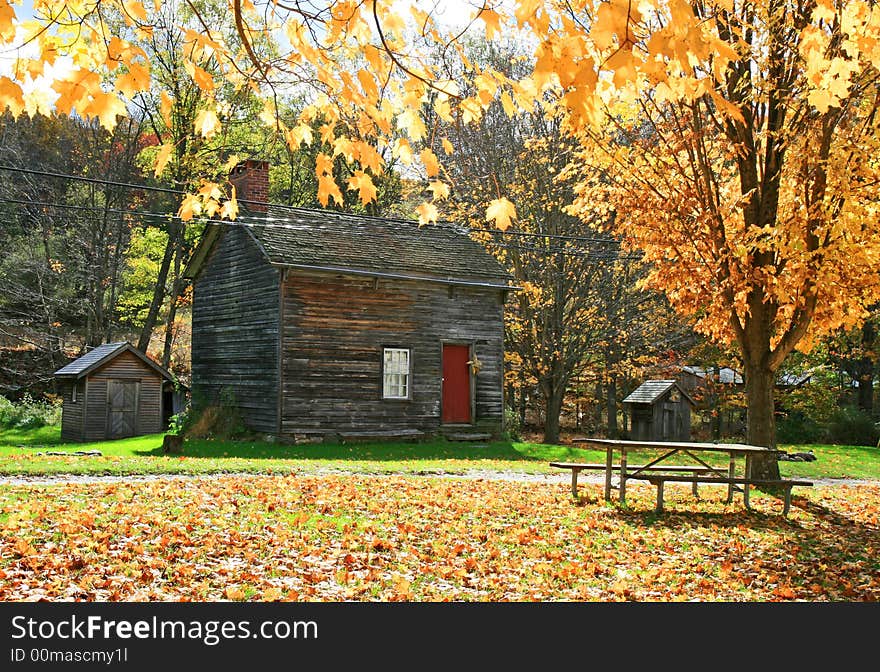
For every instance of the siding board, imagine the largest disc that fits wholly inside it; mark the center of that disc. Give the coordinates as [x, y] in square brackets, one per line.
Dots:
[335, 328]
[235, 331]
[72, 413]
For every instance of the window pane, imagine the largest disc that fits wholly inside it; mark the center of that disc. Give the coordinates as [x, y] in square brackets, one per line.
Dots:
[395, 373]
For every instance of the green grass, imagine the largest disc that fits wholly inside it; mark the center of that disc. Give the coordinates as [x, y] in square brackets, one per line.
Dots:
[143, 455]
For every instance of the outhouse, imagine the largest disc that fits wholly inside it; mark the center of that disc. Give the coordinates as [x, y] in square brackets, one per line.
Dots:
[659, 410]
[115, 391]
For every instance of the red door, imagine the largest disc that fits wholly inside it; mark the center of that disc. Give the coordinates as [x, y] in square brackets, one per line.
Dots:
[456, 402]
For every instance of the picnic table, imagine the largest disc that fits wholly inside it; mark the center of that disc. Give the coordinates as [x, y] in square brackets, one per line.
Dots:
[659, 471]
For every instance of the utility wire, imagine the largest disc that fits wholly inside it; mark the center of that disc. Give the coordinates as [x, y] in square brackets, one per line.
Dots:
[280, 223]
[267, 219]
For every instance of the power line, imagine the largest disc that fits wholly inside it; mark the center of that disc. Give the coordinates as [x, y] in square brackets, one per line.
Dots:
[546, 252]
[92, 180]
[92, 208]
[178, 192]
[279, 223]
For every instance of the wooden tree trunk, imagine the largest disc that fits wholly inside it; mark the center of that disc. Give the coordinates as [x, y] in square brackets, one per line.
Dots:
[554, 408]
[866, 394]
[172, 310]
[159, 290]
[611, 406]
[761, 421]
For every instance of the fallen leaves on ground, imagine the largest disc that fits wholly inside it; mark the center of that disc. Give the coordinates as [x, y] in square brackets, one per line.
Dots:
[425, 539]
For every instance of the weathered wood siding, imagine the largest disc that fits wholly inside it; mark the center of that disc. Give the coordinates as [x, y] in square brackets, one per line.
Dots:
[72, 412]
[235, 331]
[650, 423]
[123, 367]
[334, 329]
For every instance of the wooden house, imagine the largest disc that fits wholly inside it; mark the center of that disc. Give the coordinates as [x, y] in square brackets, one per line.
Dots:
[323, 325]
[659, 410]
[115, 391]
[717, 392]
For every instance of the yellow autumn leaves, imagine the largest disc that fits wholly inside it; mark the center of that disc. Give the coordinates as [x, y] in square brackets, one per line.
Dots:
[368, 87]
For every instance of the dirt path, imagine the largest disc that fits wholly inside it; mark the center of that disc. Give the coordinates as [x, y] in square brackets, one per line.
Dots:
[471, 474]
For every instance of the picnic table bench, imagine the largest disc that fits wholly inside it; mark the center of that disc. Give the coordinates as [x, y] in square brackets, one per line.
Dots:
[577, 467]
[658, 472]
[785, 483]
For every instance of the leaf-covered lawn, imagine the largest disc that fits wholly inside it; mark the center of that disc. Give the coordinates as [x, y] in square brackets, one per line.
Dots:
[414, 538]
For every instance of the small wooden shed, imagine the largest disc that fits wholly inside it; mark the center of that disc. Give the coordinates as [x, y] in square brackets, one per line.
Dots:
[659, 410]
[113, 392]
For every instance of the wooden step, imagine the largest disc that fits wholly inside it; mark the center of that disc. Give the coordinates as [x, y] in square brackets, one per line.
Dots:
[461, 436]
[366, 435]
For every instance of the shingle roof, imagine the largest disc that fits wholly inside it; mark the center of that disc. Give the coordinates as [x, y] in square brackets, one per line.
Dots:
[334, 240]
[651, 390]
[725, 374]
[103, 353]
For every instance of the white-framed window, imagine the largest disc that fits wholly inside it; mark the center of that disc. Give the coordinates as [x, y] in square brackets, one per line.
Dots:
[396, 371]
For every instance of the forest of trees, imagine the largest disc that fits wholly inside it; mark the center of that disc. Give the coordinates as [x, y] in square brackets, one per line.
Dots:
[678, 225]
[85, 247]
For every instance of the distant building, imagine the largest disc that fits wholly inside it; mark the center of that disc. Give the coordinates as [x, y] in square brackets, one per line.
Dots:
[693, 378]
[659, 410]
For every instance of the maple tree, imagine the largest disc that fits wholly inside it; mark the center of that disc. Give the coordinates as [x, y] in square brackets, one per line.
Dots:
[753, 195]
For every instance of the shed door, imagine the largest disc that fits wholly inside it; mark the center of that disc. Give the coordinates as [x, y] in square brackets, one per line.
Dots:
[668, 424]
[122, 403]
[456, 400]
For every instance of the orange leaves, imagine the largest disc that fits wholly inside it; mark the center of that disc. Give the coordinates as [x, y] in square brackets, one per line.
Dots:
[10, 95]
[612, 23]
[299, 135]
[363, 183]
[207, 124]
[440, 190]
[356, 537]
[201, 77]
[162, 158]
[235, 593]
[492, 21]
[427, 213]
[327, 187]
[429, 160]
[501, 211]
[135, 80]
[7, 17]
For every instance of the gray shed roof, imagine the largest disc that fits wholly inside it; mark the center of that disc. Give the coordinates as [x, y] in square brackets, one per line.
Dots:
[651, 390]
[102, 354]
[330, 240]
[725, 374]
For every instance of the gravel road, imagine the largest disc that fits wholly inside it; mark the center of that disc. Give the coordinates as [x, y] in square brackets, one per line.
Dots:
[471, 474]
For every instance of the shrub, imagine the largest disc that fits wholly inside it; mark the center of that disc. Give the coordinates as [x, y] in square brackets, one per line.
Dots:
[798, 428]
[512, 428]
[180, 423]
[221, 420]
[816, 400]
[29, 413]
[850, 426]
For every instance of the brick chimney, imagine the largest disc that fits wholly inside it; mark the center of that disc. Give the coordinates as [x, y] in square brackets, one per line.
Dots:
[251, 181]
